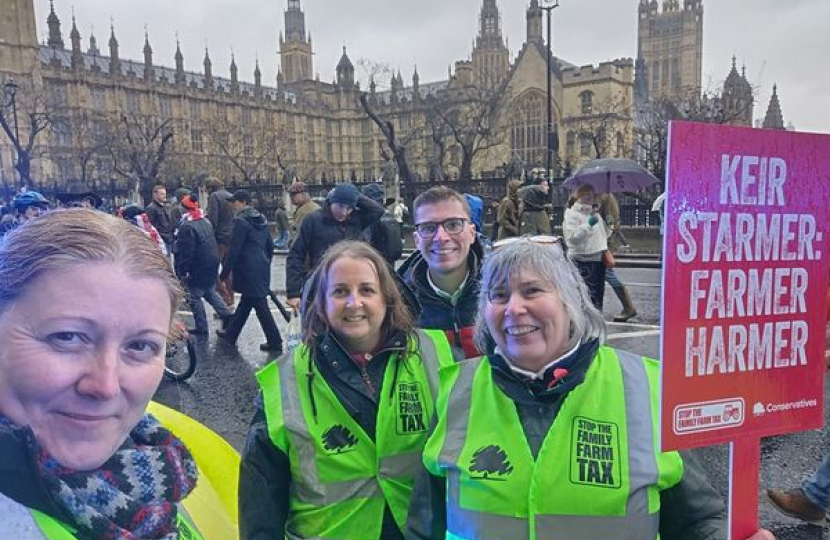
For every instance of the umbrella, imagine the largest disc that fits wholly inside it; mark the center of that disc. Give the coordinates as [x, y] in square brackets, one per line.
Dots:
[612, 175]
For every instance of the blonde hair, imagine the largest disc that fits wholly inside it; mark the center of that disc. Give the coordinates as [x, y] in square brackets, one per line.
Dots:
[65, 238]
[315, 324]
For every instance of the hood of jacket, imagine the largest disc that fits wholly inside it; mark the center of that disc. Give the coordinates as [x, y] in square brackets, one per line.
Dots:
[252, 216]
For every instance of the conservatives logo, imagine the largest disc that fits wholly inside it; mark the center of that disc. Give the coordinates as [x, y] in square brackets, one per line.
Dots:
[759, 409]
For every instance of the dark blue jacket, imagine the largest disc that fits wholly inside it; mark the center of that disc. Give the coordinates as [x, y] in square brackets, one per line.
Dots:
[250, 253]
[197, 255]
[457, 321]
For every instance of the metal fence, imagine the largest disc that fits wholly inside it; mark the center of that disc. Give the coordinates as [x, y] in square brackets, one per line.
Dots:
[635, 211]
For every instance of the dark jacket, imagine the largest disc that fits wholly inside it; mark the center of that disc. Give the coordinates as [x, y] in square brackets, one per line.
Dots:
[160, 218]
[319, 232]
[281, 219]
[436, 312]
[691, 510]
[197, 255]
[20, 478]
[509, 216]
[265, 474]
[220, 213]
[534, 199]
[250, 253]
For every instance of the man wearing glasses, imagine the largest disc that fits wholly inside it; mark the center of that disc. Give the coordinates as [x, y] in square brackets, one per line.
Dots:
[444, 273]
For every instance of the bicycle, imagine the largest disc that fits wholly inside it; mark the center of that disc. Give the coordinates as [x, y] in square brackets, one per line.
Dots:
[180, 360]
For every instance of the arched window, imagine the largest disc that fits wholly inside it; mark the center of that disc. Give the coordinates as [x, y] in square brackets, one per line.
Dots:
[570, 148]
[585, 145]
[527, 129]
[587, 102]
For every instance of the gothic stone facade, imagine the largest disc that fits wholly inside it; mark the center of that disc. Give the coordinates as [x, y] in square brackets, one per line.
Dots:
[316, 130]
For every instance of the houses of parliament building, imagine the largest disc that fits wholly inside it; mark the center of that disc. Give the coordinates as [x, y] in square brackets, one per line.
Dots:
[313, 130]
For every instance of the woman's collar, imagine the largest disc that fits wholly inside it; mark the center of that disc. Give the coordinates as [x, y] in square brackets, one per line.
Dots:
[541, 373]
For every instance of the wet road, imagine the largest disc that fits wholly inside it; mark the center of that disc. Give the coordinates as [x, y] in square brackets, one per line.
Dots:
[222, 392]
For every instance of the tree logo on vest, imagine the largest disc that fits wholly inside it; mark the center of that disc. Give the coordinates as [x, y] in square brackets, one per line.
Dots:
[595, 453]
[338, 439]
[490, 460]
[410, 409]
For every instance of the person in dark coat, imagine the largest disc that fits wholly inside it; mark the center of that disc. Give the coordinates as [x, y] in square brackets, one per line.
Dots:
[159, 212]
[220, 212]
[197, 264]
[178, 210]
[345, 216]
[281, 220]
[249, 258]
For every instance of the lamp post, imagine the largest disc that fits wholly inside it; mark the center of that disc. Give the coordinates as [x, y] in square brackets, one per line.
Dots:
[10, 89]
[549, 6]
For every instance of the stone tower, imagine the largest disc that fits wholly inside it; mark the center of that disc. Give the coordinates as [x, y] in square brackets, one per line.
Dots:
[491, 59]
[670, 43]
[295, 46]
[534, 23]
[345, 72]
[18, 46]
[737, 98]
[774, 119]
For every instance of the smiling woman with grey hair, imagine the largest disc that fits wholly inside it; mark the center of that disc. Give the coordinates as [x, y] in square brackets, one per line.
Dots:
[550, 265]
[566, 425]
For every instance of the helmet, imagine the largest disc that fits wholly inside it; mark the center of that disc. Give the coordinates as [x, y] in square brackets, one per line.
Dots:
[29, 198]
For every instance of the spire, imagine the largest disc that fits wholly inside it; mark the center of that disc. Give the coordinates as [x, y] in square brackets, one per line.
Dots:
[55, 38]
[489, 30]
[345, 71]
[257, 78]
[295, 22]
[208, 71]
[234, 75]
[534, 23]
[179, 63]
[75, 38]
[774, 119]
[93, 44]
[149, 72]
[416, 85]
[115, 63]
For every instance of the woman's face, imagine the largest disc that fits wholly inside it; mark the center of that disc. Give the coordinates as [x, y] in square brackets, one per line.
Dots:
[355, 304]
[527, 320]
[82, 354]
[588, 198]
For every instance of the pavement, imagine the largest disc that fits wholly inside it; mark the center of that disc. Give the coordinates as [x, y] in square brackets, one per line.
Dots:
[222, 392]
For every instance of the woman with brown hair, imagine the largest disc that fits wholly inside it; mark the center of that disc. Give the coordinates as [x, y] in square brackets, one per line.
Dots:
[333, 448]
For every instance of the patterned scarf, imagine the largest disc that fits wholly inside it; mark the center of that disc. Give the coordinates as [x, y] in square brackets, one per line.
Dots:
[133, 495]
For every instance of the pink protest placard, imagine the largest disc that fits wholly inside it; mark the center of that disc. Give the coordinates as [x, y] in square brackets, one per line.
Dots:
[745, 277]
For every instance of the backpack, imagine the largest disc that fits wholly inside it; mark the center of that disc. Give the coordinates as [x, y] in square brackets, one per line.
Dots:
[386, 237]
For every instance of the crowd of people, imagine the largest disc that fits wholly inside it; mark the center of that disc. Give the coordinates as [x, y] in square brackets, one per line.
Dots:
[435, 398]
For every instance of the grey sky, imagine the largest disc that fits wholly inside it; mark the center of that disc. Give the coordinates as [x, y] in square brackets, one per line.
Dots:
[781, 42]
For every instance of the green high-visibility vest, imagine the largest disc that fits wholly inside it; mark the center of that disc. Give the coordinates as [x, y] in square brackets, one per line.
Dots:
[342, 480]
[52, 529]
[598, 473]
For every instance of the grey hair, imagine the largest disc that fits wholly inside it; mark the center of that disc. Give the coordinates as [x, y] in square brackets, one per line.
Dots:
[64, 238]
[548, 262]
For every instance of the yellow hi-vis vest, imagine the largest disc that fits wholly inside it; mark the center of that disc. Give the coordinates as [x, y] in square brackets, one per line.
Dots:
[598, 473]
[341, 480]
[209, 512]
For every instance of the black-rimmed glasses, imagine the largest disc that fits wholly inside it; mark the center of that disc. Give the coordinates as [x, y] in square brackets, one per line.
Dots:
[452, 226]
